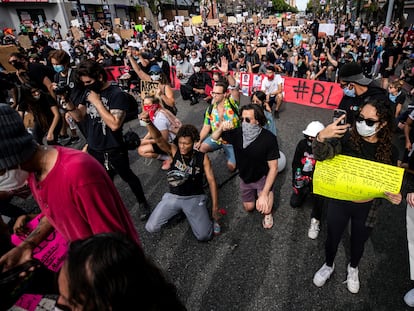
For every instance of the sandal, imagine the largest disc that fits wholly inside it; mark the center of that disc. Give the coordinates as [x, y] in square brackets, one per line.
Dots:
[267, 221]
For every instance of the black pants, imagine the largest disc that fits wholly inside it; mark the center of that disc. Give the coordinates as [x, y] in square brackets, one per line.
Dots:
[187, 92]
[116, 161]
[339, 214]
[299, 196]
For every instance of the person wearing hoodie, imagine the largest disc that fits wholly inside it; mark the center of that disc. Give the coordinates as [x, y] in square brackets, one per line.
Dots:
[357, 88]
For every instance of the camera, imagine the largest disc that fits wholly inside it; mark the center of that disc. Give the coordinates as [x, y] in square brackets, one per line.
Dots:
[62, 89]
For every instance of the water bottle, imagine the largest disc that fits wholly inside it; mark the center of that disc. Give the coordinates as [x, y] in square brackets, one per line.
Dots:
[308, 167]
[216, 228]
[298, 178]
[72, 124]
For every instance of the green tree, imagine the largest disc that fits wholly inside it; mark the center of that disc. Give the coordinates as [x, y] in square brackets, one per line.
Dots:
[280, 6]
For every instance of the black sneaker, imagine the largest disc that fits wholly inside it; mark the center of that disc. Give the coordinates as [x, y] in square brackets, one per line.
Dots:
[144, 210]
[194, 101]
[74, 139]
[63, 139]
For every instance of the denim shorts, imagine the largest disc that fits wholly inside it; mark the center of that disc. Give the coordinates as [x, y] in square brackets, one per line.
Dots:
[228, 149]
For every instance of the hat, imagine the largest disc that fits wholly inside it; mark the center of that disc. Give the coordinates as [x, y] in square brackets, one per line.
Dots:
[155, 69]
[16, 144]
[352, 72]
[411, 55]
[313, 128]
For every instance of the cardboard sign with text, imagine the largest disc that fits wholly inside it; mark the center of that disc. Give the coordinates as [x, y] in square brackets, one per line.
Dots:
[5, 51]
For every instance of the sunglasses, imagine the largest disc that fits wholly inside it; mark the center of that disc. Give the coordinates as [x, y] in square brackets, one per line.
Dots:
[247, 120]
[368, 122]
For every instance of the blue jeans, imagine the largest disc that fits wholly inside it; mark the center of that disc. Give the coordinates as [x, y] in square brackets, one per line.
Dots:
[228, 149]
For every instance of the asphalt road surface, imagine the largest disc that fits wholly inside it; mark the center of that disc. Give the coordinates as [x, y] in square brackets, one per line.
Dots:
[249, 268]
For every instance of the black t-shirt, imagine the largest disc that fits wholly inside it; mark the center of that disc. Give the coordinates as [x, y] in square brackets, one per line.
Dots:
[100, 136]
[37, 72]
[42, 113]
[75, 92]
[252, 161]
[195, 168]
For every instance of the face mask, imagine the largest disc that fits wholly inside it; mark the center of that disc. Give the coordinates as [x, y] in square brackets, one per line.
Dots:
[295, 54]
[323, 59]
[197, 69]
[13, 179]
[96, 86]
[155, 77]
[393, 97]
[151, 110]
[250, 132]
[348, 92]
[36, 97]
[270, 77]
[208, 59]
[364, 130]
[58, 68]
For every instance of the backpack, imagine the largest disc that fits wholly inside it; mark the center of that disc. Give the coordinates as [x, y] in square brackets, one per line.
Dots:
[175, 123]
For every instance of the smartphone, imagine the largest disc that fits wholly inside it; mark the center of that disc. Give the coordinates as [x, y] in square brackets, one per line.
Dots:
[337, 114]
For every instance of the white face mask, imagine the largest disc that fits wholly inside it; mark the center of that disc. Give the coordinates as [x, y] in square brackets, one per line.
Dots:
[13, 179]
[155, 77]
[364, 130]
[197, 69]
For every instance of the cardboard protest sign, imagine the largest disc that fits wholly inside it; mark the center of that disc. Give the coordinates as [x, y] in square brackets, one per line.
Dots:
[24, 41]
[148, 88]
[5, 51]
[213, 22]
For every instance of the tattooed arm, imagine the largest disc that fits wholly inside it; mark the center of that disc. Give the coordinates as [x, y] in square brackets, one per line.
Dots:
[23, 252]
[113, 118]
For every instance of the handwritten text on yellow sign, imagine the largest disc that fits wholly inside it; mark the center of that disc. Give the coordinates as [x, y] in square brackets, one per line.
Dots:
[354, 179]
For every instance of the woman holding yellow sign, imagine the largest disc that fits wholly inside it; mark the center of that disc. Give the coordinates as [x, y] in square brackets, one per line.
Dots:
[369, 138]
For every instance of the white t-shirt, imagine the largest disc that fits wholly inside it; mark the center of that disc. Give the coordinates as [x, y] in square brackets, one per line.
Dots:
[271, 86]
[162, 123]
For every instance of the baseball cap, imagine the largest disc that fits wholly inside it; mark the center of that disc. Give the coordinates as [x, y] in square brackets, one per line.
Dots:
[352, 72]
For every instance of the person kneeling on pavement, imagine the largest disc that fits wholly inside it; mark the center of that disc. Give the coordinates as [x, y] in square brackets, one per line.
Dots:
[257, 153]
[196, 84]
[185, 178]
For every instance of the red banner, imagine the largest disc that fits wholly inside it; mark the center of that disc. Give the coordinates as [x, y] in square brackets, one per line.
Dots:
[299, 91]
[312, 93]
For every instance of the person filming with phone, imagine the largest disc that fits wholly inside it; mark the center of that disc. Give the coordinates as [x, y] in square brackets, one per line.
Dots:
[357, 89]
[369, 138]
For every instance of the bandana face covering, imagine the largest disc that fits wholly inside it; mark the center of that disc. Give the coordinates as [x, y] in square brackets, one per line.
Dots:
[250, 132]
[151, 110]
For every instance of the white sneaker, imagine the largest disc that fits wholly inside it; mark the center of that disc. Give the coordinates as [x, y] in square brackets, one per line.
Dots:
[313, 231]
[409, 298]
[352, 280]
[323, 275]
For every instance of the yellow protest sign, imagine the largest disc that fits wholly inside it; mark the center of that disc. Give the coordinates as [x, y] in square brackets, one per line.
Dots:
[197, 19]
[354, 179]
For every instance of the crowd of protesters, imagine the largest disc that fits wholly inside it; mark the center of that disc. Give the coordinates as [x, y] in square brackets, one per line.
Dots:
[60, 80]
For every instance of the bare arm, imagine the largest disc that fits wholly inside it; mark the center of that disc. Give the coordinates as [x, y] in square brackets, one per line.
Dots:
[23, 252]
[155, 134]
[212, 185]
[55, 121]
[113, 118]
[262, 204]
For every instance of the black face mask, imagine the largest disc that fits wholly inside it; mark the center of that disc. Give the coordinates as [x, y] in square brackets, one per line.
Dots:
[96, 86]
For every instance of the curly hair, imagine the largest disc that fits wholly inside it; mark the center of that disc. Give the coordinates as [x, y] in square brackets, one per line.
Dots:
[188, 130]
[383, 153]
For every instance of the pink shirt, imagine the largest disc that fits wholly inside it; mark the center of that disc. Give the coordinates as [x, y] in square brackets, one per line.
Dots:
[79, 199]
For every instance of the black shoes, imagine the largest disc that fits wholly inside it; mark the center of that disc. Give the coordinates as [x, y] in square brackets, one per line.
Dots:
[194, 101]
[144, 210]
